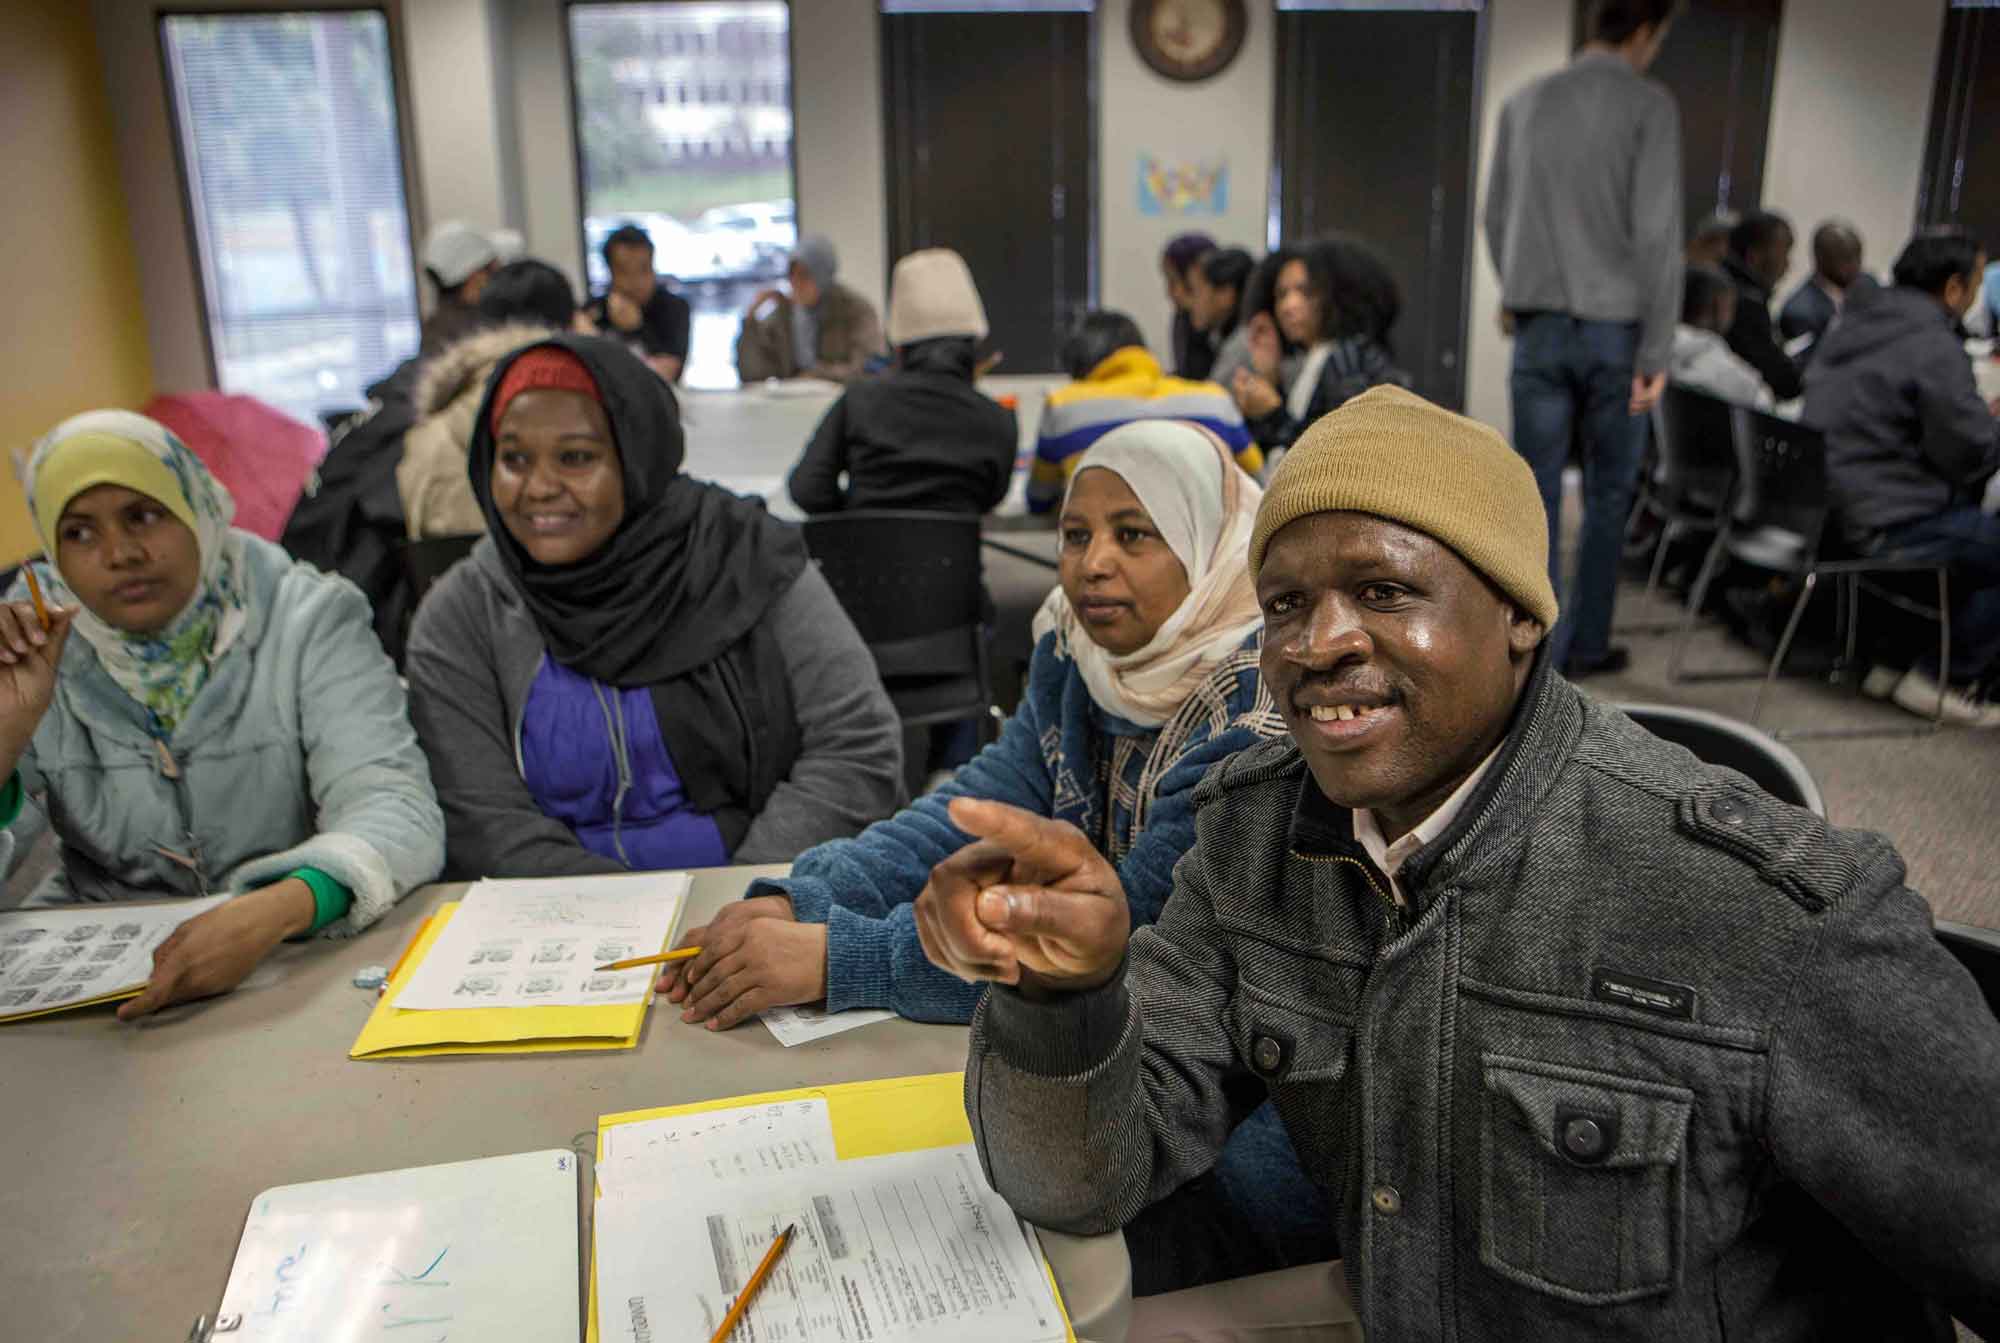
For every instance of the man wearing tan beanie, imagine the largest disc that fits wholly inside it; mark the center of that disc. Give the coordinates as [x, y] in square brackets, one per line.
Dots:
[1581, 1038]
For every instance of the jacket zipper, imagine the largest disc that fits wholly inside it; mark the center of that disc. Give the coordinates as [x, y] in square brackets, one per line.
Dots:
[1398, 914]
[170, 770]
[614, 725]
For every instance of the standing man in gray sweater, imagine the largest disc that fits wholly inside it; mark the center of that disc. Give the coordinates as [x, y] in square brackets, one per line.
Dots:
[1583, 222]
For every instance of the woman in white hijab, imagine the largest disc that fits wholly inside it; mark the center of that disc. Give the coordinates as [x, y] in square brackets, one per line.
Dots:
[1144, 675]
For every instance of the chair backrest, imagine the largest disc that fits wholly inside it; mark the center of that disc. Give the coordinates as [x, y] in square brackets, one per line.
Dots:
[1717, 740]
[1978, 949]
[1695, 435]
[1780, 476]
[425, 561]
[910, 582]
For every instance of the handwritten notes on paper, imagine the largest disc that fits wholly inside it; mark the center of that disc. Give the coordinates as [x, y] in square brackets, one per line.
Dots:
[914, 1245]
[539, 943]
[715, 1147]
[439, 1254]
[56, 958]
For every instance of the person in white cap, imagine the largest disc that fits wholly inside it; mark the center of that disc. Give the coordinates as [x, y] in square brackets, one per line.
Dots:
[821, 329]
[458, 258]
[922, 436]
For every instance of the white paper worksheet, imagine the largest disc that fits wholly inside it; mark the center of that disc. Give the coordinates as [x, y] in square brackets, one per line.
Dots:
[802, 1025]
[539, 943]
[915, 1245]
[52, 958]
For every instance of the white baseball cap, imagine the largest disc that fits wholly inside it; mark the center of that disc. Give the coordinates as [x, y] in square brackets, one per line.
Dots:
[455, 250]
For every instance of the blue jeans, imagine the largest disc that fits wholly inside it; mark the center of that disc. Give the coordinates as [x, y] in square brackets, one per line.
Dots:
[1968, 542]
[1572, 375]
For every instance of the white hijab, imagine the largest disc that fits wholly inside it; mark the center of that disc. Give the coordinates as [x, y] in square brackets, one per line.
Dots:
[1204, 506]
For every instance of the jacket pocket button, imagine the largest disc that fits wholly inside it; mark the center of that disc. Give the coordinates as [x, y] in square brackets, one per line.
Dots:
[1583, 1137]
[1267, 1054]
[1729, 811]
[1387, 1201]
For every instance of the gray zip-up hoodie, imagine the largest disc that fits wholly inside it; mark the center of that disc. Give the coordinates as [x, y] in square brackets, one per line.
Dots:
[474, 655]
[1907, 435]
[1652, 1055]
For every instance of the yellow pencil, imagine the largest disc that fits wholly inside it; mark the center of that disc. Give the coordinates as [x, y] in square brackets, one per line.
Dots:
[756, 1280]
[683, 954]
[35, 591]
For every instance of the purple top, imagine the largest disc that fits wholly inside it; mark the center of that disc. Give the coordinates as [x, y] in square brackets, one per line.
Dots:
[574, 734]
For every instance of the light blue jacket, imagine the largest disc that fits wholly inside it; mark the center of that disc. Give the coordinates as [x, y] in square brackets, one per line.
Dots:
[297, 753]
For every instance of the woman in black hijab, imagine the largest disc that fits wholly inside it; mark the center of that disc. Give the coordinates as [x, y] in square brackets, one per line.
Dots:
[634, 670]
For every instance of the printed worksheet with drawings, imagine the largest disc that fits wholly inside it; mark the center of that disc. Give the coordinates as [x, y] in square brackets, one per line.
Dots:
[539, 943]
[909, 1246]
[52, 958]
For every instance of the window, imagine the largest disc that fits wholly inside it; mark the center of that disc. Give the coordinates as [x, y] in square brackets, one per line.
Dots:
[293, 165]
[692, 169]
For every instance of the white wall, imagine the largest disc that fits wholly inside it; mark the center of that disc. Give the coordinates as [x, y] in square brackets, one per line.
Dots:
[1226, 117]
[463, 170]
[837, 140]
[1849, 114]
[544, 147]
[1524, 38]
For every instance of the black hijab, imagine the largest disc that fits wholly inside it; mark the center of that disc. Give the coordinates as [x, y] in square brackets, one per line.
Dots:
[670, 601]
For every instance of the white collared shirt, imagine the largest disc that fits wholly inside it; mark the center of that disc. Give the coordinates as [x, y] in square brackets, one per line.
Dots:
[1391, 857]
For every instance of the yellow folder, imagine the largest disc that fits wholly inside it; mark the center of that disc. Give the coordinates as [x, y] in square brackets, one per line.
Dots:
[901, 1114]
[392, 1033]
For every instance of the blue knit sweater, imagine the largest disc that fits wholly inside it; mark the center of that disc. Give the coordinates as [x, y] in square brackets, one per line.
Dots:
[1129, 788]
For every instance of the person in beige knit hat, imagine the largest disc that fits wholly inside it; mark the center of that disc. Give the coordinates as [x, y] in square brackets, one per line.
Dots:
[922, 436]
[1579, 1036]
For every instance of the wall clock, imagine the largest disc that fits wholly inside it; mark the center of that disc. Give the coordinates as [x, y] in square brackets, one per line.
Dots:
[1188, 39]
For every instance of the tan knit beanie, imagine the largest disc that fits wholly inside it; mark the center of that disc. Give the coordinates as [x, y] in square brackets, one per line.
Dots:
[1391, 453]
[932, 295]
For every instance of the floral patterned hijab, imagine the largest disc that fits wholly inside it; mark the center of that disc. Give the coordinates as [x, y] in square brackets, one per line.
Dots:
[165, 670]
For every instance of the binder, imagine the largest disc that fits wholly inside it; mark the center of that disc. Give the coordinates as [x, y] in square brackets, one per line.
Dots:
[394, 1034]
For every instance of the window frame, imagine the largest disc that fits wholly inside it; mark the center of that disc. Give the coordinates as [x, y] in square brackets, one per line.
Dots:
[184, 173]
[579, 192]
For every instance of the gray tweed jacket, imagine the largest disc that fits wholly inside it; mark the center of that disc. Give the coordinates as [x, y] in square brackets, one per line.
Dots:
[1652, 1055]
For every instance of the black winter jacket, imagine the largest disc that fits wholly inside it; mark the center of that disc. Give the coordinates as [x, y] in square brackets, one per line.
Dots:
[922, 437]
[1907, 435]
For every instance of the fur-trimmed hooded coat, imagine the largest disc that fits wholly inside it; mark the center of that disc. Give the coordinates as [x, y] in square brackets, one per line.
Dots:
[437, 496]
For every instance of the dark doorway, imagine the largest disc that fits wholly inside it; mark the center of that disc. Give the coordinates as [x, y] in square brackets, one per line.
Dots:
[1961, 182]
[1720, 59]
[990, 131]
[1399, 180]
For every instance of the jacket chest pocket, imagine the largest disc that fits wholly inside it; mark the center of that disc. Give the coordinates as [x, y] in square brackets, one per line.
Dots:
[1583, 1180]
[1301, 1054]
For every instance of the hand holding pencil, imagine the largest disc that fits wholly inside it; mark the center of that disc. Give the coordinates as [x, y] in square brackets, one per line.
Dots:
[32, 637]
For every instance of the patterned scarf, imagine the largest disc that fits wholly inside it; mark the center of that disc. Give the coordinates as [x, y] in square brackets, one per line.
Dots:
[165, 670]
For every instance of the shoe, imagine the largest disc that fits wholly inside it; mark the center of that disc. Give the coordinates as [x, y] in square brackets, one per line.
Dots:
[1611, 660]
[1880, 682]
[1918, 694]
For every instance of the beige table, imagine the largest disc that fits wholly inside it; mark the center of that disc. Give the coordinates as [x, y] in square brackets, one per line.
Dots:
[133, 1151]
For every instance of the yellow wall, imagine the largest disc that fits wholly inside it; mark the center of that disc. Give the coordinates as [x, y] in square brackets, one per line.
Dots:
[72, 337]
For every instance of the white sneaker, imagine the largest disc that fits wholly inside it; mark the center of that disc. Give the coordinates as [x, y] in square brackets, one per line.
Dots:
[1918, 694]
[1880, 682]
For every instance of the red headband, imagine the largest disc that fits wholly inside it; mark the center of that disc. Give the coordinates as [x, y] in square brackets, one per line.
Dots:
[544, 368]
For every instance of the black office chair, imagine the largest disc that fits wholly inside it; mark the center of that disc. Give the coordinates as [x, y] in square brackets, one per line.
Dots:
[1779, 521]
[1978, 949]
[910, 582]
[1720, 740]
[1693, 481]
[424, 563]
